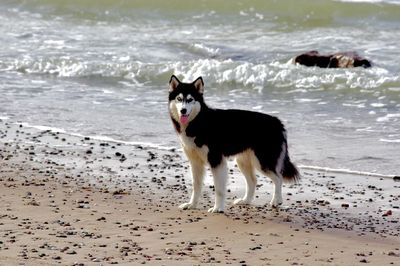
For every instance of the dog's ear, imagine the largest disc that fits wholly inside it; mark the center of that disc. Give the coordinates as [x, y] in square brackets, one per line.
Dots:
[199, 85]
[173, 83]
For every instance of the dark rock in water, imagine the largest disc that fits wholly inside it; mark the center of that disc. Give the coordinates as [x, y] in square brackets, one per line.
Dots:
[337, 60]
[396, 178]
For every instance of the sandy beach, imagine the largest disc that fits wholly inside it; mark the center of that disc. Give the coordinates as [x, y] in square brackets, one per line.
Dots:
[70, 200]
[91, 171]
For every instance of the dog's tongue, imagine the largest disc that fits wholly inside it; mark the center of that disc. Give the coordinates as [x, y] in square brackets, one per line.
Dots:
[184, 119]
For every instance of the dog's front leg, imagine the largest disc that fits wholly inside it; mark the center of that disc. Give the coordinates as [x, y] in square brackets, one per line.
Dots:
[198, 169]
[220, 175]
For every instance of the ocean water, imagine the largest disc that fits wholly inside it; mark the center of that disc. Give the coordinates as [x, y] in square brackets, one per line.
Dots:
[101, 68]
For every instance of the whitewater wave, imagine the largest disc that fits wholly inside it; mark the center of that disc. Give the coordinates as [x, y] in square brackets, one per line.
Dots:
[277, 74]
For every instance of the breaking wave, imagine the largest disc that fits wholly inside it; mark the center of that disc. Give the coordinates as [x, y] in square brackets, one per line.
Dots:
[216, 72]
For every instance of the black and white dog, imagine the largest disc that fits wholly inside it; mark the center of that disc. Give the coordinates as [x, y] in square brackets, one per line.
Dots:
[209, 136]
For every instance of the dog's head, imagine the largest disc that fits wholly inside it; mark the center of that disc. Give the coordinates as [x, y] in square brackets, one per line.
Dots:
[185, 100]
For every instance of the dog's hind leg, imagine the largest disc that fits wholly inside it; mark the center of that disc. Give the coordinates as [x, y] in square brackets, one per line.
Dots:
[277, 179]
[246, 167]
[198, 169]
[220, 175]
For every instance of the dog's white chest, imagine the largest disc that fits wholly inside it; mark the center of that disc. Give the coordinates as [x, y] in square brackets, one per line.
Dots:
[191, 149]
[187, 142]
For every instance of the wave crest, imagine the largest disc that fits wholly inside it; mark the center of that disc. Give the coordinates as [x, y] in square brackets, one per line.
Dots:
[214, 71]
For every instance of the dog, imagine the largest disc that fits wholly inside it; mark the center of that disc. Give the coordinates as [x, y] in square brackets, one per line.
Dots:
[337, 60]
[209, 136]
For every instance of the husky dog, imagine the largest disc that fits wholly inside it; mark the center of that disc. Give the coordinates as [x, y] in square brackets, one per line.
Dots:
[209, 136]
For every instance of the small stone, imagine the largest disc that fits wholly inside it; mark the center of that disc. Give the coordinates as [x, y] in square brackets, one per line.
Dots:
[33, 203]
[387, 213]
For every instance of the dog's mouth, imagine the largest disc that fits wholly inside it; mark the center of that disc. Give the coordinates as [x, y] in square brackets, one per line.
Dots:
[184, 119]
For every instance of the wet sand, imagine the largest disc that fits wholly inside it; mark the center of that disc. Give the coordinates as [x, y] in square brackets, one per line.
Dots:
[68, 200]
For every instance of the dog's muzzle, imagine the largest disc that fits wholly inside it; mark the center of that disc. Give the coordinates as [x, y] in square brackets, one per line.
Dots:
[184, 118]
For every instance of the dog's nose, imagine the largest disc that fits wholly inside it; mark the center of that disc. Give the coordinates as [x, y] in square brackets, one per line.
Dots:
[183, 111]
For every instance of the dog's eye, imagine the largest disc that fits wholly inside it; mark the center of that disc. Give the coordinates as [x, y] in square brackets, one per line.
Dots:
[190, 100]
[179, 99]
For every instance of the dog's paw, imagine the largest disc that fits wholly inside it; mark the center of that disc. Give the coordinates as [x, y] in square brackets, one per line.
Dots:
[241, 202]
[275, 203]
[187, 206]
[216, 210]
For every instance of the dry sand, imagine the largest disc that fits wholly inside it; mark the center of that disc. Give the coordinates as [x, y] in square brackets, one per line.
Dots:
[68, 200]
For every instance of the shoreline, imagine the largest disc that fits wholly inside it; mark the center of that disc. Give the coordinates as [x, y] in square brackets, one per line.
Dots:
[100, 138]
[68, 200]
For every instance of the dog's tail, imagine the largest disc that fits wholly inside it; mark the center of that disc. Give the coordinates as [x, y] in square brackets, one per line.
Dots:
[290, 172]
